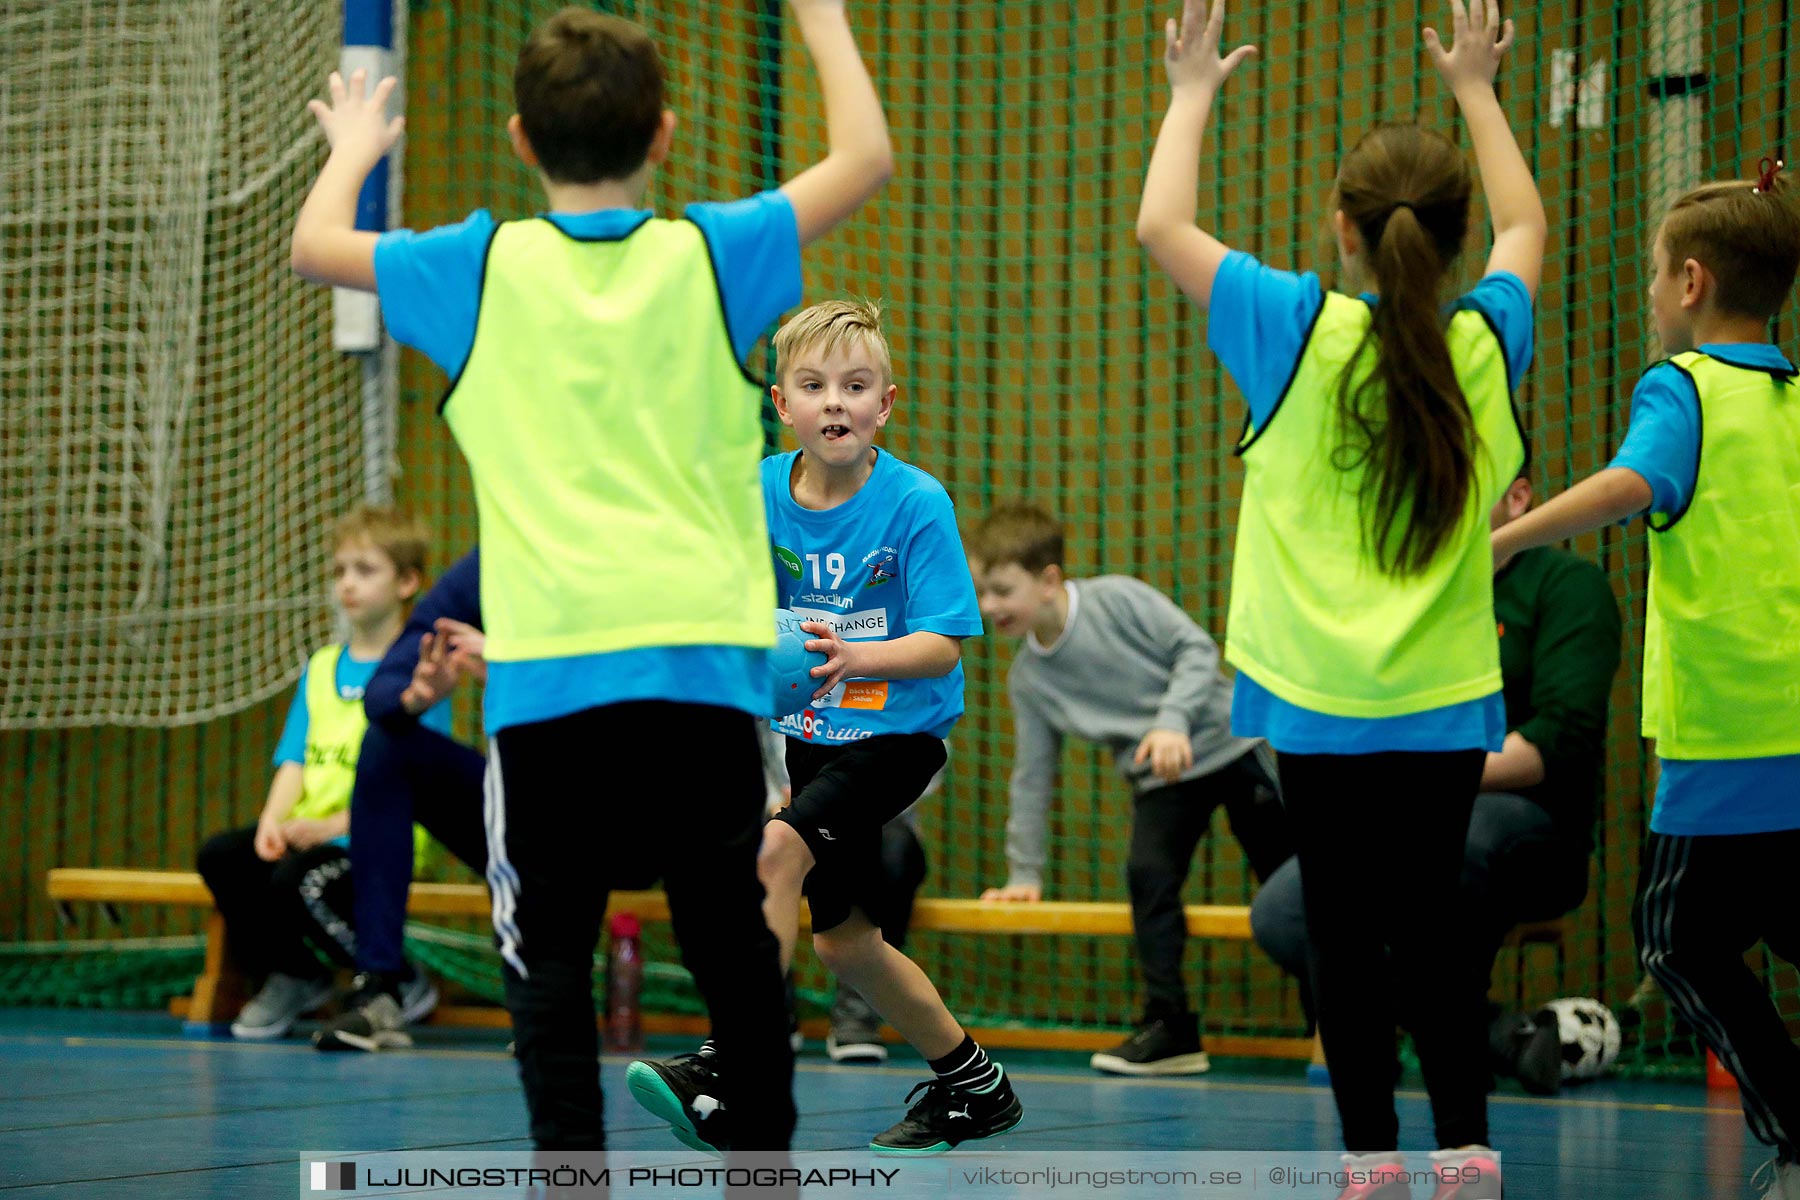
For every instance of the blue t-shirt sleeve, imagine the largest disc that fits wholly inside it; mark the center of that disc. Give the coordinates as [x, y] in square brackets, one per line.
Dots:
[755, 244]
[1504, 300]
[437, 717]
[1260, 317]
[430, 287]
[1662, 443]
[291, 746]
[940, 593]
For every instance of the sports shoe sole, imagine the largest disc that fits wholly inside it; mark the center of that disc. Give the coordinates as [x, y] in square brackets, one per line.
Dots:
[1175, 1064]
[655, 1097]
[944, 1147]
[270, 1033]
[263, 1033]
[1488, 1187]
[342, 1039]
[855, 1052]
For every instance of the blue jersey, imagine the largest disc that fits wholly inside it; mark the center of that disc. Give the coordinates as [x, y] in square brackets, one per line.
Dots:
[430, 288]
[1260, 319]
[1697, 797]
[885, 563]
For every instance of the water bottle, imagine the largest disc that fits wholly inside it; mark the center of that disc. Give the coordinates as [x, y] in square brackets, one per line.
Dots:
[624, 982]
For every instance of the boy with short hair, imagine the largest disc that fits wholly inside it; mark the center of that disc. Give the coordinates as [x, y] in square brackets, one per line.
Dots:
[1112, 660]
[866, 546]
[598, 393]
[284, 886]
[1720, 630]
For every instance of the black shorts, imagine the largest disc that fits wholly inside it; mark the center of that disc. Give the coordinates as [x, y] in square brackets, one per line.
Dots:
[843, 795]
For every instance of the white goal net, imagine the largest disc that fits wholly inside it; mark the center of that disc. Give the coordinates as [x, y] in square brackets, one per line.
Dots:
[176, 432]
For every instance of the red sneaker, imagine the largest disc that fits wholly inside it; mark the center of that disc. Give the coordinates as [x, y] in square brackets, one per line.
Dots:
[1466, 1176]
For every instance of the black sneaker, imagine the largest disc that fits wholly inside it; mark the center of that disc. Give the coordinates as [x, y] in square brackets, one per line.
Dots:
[945, 1117]
[684, 1091]
[1167, 1045]
[376, 1015]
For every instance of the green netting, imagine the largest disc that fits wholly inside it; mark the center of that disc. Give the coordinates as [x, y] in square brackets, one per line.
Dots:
[134, 973]
[1040, 356]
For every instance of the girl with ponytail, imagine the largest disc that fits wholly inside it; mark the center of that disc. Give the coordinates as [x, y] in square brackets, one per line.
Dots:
[1381, 431]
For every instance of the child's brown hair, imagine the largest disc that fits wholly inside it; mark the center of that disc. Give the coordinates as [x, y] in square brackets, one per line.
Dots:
[1019, 534]
[393, 531]
[589, 90]
[1747, 233]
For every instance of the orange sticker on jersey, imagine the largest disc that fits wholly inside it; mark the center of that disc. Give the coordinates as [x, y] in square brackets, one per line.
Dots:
[865, 693]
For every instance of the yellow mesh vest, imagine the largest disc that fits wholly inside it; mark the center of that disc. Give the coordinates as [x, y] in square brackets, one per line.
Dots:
[1722, 628]
[1313, 618]
[334, 734]
[614, 442]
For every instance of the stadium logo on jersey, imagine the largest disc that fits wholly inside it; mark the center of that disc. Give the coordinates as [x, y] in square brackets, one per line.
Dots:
[831, 598]
[789, 561]
[883, 565]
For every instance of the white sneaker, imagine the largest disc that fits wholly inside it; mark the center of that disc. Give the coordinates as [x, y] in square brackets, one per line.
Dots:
[1782, 1180]
[271, 1013]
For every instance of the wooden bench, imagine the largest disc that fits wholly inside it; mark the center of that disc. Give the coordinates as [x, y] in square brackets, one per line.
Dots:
[219, 992]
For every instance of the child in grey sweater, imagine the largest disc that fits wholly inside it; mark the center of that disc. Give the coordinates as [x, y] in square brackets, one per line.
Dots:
[1112, 660]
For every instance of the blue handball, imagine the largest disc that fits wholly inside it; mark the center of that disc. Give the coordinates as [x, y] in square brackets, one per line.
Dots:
[790, 664]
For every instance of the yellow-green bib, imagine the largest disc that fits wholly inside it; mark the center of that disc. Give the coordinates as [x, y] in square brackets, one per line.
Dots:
[1313, 618]
[334, 733]
[1722, 627]
[615, 444]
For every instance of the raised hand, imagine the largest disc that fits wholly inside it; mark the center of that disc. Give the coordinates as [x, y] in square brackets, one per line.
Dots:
[356, 123]
[468, 648]
[1479, 39]
[434, 678]
[1192, 54]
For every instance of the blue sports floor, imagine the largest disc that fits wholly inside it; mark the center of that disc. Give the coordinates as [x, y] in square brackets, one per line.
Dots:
[114, 1105]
